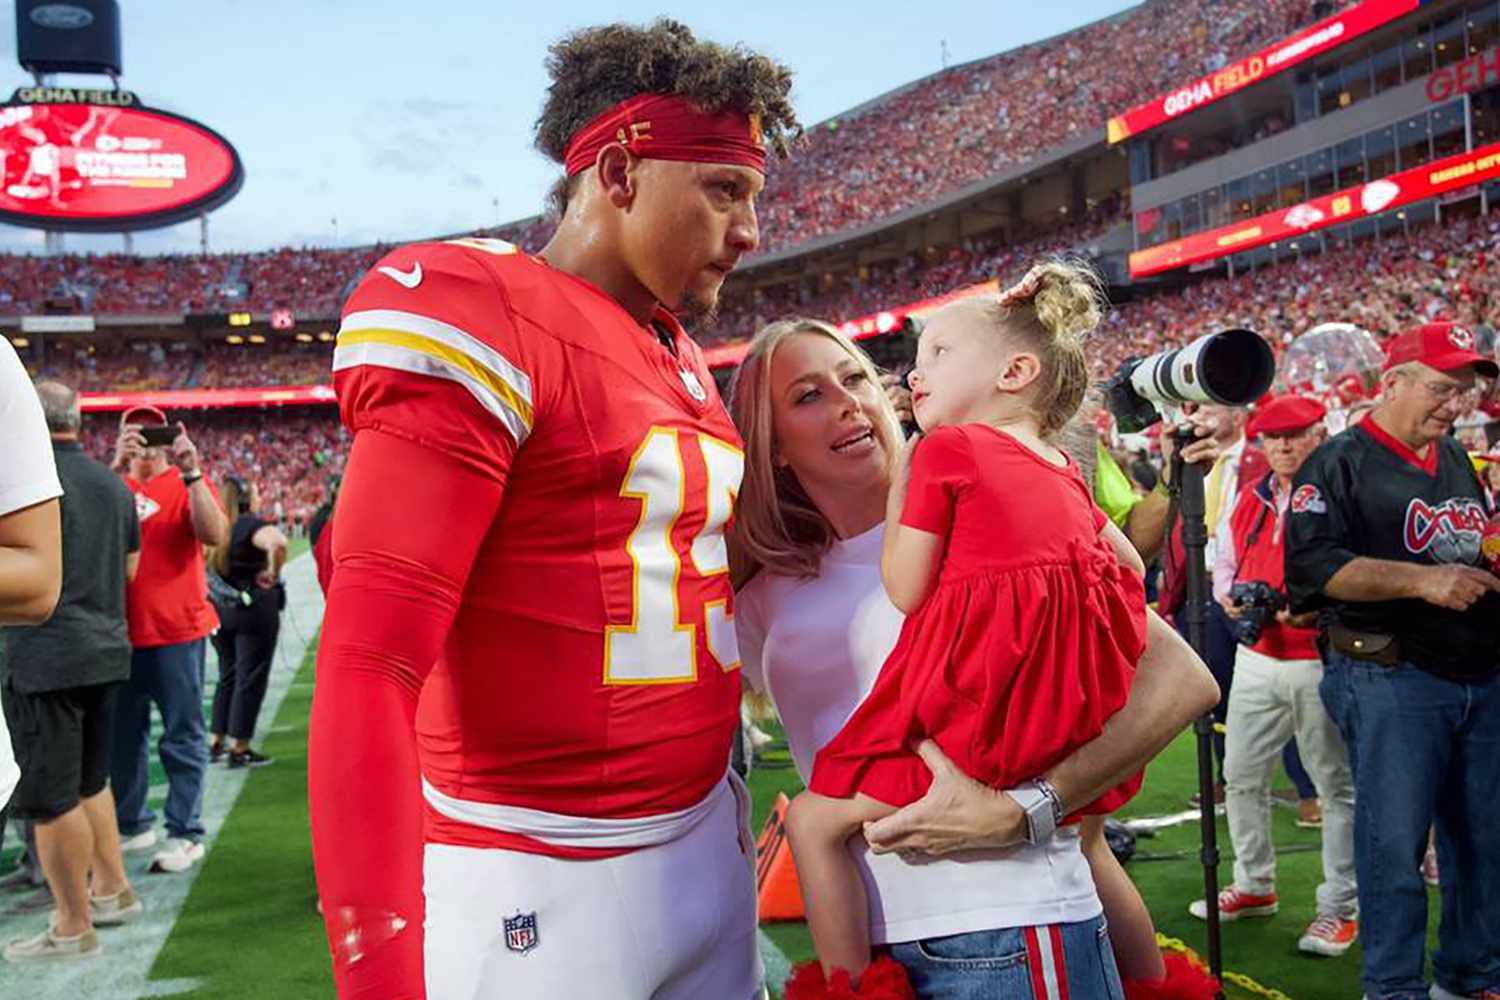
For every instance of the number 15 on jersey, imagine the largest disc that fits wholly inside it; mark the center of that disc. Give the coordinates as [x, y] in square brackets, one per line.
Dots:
[658, 646]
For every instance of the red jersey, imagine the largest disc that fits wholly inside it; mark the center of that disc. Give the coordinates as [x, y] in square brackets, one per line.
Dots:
[1259, 528]
[167, 602]
[591, 671]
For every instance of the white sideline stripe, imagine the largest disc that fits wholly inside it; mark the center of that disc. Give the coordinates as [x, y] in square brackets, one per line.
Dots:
[130, 951]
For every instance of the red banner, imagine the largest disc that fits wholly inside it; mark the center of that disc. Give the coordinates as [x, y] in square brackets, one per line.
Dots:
[205, 399]
[1416, 184]
[1310, 42]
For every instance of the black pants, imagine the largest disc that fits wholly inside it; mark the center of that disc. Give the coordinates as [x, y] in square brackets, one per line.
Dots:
[246, 644]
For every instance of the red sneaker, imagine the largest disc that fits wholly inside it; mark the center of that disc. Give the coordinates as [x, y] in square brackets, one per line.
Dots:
[1235, 905]
[1330, 936]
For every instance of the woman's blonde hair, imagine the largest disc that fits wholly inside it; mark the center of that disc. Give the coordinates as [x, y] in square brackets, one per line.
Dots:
[1049, 314]
[230, 498]
[777, 527]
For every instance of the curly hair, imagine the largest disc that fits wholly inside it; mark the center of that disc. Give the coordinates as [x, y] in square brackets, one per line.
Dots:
[594, 69]
[1063, 302]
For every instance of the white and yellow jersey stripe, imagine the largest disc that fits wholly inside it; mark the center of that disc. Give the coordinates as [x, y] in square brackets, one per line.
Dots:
[411, 342]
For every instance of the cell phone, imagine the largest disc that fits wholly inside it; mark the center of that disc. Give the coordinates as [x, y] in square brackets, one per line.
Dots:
[160, 435]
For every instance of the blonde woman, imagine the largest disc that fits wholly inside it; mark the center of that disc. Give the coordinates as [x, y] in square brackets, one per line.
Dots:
[815, 625]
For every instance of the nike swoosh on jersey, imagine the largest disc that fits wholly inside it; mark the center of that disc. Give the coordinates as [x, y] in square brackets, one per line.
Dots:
[408, 279]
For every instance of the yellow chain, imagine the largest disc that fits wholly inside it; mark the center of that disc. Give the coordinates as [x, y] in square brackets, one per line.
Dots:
[1239, 979]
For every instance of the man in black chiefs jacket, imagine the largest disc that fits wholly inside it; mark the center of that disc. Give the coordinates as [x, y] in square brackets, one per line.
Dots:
[1384, 537]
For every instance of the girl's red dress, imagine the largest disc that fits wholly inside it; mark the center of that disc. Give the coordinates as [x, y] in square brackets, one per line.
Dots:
[1025, 647]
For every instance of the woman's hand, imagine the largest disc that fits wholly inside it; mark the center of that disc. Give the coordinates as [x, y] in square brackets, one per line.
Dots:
[895, 501]
[956, 814]
[899, 395]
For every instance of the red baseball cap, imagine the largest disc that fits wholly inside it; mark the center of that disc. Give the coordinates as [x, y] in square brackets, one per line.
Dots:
[1286, 414]
[143, 415]
[1443, 346]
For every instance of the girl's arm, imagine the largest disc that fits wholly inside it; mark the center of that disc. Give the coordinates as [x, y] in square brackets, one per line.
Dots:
[909, 563]
[909, 557]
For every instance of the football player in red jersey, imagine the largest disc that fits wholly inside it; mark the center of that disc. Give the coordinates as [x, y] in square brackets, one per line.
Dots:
[528, 678]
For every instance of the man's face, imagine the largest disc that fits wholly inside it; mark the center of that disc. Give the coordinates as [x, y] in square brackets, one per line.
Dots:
[1424, 402]
[687, 227]
[1287, 450]
[1227, 423]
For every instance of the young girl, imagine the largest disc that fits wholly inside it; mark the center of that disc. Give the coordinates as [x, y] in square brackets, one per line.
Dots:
[1026, 611]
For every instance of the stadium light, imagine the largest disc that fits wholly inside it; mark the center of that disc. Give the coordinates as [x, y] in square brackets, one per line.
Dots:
[234, 338]
[21, 341]
[257, 338]
[304, 338]
[325, 336]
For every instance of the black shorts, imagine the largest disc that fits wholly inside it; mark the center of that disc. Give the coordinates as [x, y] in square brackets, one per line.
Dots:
[62, 741]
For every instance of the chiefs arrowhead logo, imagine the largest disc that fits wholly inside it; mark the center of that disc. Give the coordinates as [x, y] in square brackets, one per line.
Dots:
[1461, 338]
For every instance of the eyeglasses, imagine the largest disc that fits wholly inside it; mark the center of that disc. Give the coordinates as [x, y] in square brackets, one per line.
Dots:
[1444, 391]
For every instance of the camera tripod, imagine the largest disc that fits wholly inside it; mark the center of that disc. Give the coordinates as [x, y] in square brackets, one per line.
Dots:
[1186, 487]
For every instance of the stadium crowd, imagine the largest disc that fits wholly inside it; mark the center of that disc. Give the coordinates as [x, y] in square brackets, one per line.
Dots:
[1436, 271]
[1433, 271]
[902, 150]
[975, 120]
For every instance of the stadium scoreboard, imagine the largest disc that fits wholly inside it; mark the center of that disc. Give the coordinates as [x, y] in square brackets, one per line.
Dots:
[98, 160]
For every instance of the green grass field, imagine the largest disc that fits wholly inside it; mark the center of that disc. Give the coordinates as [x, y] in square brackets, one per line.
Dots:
[249, 929]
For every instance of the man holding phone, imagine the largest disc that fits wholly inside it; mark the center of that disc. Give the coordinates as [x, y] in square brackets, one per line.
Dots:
[170, 617]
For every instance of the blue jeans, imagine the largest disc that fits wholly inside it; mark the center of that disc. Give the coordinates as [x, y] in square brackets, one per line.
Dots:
[172, 678]
[1422, 749]
[984, 965]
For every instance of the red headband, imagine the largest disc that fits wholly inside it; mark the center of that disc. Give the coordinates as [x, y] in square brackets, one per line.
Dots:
[669, 127]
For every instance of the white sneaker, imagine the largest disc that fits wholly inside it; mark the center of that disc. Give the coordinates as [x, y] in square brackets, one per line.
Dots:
[47, 946]
[143, 841]
[177, 854]
[112, 911]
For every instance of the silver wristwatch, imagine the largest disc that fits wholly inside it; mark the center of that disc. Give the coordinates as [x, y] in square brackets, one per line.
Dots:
[1039, 801]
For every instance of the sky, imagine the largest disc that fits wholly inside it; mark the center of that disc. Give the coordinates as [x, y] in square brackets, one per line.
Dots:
[391, 120]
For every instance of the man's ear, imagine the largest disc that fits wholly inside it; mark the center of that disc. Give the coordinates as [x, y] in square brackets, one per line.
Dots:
[616, 174]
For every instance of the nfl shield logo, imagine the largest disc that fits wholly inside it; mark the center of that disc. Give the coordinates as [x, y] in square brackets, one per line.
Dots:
[520, 932]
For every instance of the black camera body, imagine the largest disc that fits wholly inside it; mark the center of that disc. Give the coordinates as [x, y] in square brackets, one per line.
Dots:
[1257, 601]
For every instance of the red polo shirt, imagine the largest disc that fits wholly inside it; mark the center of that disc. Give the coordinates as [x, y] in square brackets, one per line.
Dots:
[167, 602]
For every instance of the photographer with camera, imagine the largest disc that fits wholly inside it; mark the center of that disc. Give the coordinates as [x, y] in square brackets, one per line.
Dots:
[1276, 676]
[1385, 539]
[170, 619]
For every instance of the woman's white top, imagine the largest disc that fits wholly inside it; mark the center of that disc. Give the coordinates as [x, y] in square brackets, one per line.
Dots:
[815, 647]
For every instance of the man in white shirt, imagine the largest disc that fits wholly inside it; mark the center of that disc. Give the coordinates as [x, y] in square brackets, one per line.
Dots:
[30, 522]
